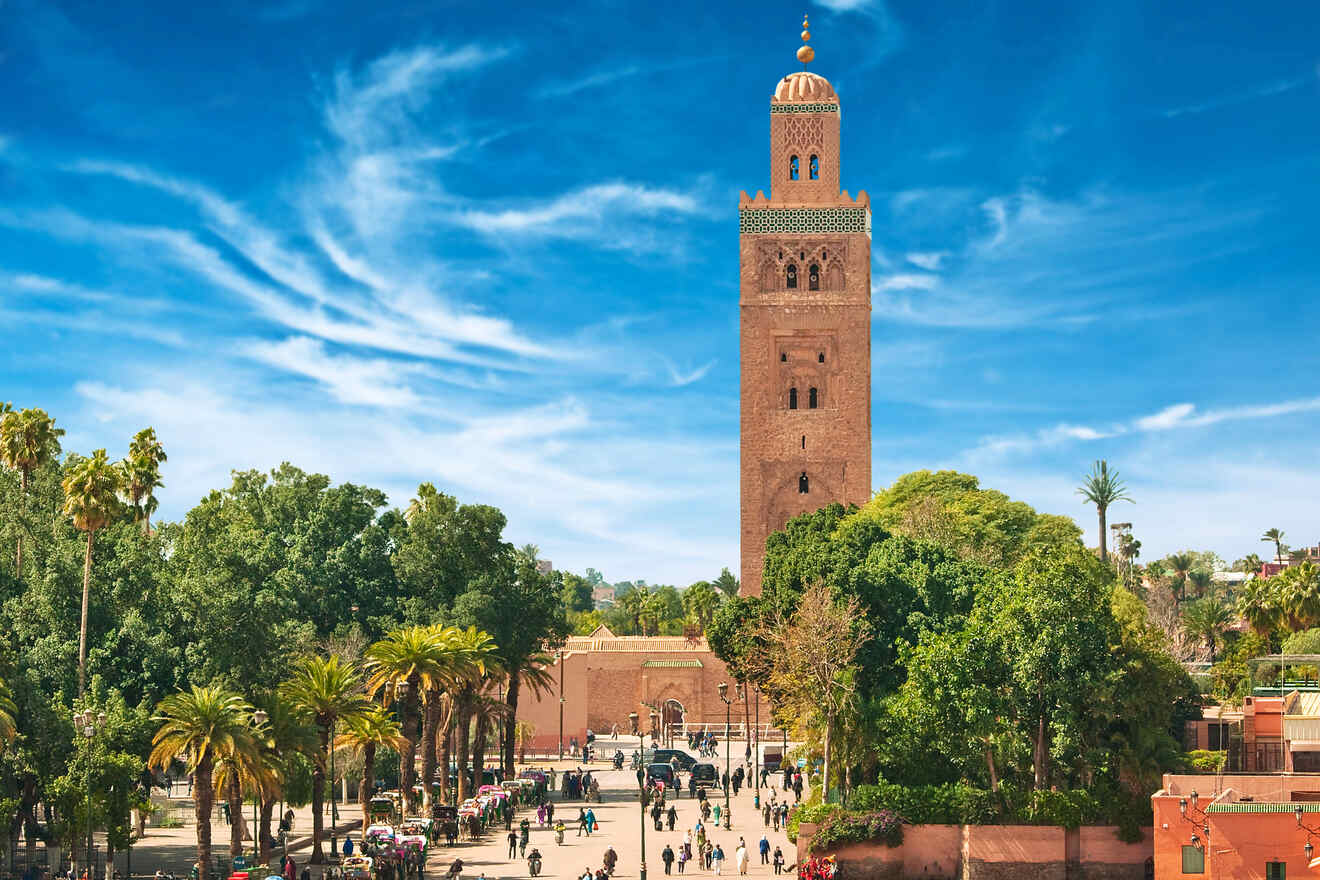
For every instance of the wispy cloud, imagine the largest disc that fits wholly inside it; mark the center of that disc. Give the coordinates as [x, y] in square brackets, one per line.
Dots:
[906, 281]
[678, 378]
[1186, 415]
[929, 260]
[564, 88]
[349, 379]
[1263, 90]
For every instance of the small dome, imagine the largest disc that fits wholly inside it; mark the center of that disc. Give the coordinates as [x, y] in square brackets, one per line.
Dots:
[805, 87]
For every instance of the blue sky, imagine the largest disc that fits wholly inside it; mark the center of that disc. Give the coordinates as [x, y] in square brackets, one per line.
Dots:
[495, 246]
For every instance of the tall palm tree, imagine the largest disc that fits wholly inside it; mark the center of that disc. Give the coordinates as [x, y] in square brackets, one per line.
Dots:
[237, 771]
[28, 439]
[1259, 604]
[1250, 564]
[1102, 487]
[1201, 580]
[328, 690]
[535, 676]
[1180, 564]
[1275, 537]
[8, 729]
[142, 475]
[633, 603]
[1206, 620]
[1299, 595]
[197, 727]
[700, 602]
[404, 667]
[287, 733]
[91, 497]
[472, 663]
[364, 734]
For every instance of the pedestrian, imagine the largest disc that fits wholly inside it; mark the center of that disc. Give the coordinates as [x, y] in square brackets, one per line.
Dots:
[779, 860]
[540, 815]
[672, 816]
[582, 822]
[717, 859]
[692, 785]
[513, 845]
[764, 847]
[708, 855]
[348, 846]
[774, 817]
[718, 809]
[591, 821]
[667, 856]
[682, 858]
[740, 857]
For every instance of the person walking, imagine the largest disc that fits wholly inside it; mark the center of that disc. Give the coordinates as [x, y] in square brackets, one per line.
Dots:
[582, 822]
[513, 845]
[591, 821]
[672, 817]
[765, 814]
[764, 847]
[740, 857]
[708, 855]
[667, 856]
[779, 860]
[717, 859]
[682, 858]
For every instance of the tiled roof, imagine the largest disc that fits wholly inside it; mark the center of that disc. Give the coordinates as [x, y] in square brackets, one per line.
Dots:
[672, 664]
[1262, 807]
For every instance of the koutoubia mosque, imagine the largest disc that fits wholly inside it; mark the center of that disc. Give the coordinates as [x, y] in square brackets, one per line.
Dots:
[805, 349]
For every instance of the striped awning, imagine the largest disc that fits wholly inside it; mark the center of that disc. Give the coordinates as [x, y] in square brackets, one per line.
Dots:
[671, 664]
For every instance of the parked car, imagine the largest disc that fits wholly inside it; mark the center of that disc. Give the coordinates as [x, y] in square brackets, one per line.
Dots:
[706, 774]
[667, 756]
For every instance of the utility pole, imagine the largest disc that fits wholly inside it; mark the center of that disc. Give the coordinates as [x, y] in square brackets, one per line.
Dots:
[728, 775]
[561, 704]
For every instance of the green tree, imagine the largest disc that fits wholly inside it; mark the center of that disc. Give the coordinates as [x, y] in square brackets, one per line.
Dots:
[577, 593]
[1274, 536]
[1260, 606]
[441, 547]
[28, 439]
[197, 727]
[364, 734]
[328, 690]
[701, 601]
[726, 583]
[91, 492]
[404, 668]
[1206, 620]
[142, 475]
[1103, 488]
[1181, 566]
[1201, 580]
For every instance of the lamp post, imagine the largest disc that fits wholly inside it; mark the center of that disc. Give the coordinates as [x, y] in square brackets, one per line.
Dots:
[401, 694]
[259, 719]
[642, 798]
[334, 805]
[89, 726]
[756, 751]
[728, 709]
[561, 703]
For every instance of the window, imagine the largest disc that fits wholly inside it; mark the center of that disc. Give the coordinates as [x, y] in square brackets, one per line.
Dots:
[792, 398]
[790, 276]
[804, 441]
[1218, 733]
[1193, 860]
[783, 357]
[820, 358]
[811, 398]
[814, 168]
[813, 277]
[792, 167]
[1276, 870]
[802, 484]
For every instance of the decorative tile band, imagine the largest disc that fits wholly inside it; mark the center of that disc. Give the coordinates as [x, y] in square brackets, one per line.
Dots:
[770, 221]
[804, 108]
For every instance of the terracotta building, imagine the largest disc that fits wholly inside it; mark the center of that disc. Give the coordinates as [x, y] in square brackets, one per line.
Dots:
[805, 298]
[606, 678]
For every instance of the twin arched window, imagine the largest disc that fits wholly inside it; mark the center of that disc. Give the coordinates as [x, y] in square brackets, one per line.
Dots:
[790, 276]
[795, 168]
[813, 168]
[813, 277]
[792, 167]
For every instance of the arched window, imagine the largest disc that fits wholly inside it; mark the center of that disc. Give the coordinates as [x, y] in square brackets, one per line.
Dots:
[814, 167]
[804, 441]
[792, 398]
[803, 488]
[790, 276]
[813, 277]
[820, 358]
[783, 356]
[811, 398]
[792, 167]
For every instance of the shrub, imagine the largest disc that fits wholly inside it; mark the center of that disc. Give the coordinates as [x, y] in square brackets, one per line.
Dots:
[1204, 761]
[849, 827]
[812, 814]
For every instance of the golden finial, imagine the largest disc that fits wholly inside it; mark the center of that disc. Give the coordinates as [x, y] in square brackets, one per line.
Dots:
[805, 53]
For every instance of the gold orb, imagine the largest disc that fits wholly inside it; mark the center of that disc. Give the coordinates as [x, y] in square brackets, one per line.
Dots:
[805, 54]
[806, 35]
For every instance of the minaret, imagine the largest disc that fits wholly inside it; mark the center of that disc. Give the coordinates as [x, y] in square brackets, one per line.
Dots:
[805, 304]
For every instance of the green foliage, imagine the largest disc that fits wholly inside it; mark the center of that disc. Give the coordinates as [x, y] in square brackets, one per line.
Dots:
[1305, 642]
[1205, 761]
[811, 813]
[853, 827]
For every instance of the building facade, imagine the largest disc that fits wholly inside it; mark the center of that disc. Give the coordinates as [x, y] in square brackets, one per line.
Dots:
[805, 315]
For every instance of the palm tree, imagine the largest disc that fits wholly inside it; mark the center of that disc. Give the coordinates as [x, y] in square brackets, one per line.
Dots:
[364, 734]
[1275, 537]
[28, 439]
[8, 729]
[1299, 555]
[633, 603]
[1299, 595]
[1201, 580]
[534, 674]
[701, 601]
[1181, 566]
[1206, 621]
[1102, 488]
[404, 667]
[91, 497]
[1259, 605]
[328, 690]
[1250, 564]
[197, 727]
[142, 475]
[236, 771]
[473, 664]
[286, 733]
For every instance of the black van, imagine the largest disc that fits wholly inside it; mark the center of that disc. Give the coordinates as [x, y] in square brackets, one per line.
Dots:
[662, 772]
[706, 774]
[667, 756]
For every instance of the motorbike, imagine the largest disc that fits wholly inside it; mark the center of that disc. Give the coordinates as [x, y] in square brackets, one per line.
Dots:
[559, 833]
[618, 760]
[534, 864]
[637, 761]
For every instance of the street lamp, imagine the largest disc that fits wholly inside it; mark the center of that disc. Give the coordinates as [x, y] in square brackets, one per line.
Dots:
[259, 719]
[728, 709]
[89, 726]
[334, 805]
[643, 797]
[560, 653]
